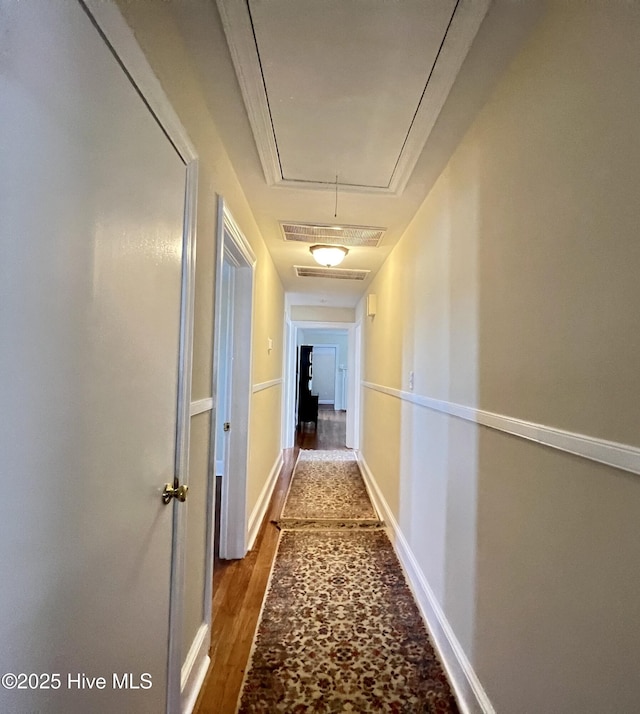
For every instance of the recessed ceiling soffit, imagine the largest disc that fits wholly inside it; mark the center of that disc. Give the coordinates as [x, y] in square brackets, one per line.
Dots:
[344, 88]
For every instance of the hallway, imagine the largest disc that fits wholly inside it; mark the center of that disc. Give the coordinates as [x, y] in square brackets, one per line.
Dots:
[239, 586]
[440, 198]
[239, 589]
[340, 630]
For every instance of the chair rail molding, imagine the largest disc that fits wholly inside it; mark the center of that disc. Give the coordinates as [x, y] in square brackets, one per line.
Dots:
[201, 406]
[261, 386]
[610, 453]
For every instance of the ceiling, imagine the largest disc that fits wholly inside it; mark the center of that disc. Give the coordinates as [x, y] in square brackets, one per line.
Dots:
[334, 89]
[377, 93]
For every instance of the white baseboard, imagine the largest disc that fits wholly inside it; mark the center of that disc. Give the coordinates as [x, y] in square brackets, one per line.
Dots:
[195, 668]
[470, 694]
[255, 519]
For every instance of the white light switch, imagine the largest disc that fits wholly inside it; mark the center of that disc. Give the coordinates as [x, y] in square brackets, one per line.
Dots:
[269, 345]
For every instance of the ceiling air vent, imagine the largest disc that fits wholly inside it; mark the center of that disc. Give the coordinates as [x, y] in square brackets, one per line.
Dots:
[335, 273]
[349, 236]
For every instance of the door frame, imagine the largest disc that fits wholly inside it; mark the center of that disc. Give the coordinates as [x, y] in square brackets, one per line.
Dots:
[353, 379]
[120, 38]
[224, 381]
[354, 383]
[231, 245]
[289, 385]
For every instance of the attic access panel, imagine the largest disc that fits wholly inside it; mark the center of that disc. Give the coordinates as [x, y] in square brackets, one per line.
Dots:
[342, 87]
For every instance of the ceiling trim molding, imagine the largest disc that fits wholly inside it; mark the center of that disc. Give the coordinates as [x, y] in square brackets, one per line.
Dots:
[463, 28]
[236, 20]
[239, 33]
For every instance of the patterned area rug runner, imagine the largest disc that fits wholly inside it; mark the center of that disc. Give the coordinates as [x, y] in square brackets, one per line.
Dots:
[340, 632]
[327, 488]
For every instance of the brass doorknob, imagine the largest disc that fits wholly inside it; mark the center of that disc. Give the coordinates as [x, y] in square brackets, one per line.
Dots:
[179, 493]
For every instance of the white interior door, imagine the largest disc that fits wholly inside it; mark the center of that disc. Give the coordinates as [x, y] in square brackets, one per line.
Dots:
[91, 225]
[324, 374]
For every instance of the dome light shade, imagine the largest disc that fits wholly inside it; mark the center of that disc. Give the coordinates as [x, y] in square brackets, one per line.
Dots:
[328, 255]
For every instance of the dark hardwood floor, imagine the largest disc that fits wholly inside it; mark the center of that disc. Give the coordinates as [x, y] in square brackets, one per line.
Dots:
[330, 434]
[239, 585]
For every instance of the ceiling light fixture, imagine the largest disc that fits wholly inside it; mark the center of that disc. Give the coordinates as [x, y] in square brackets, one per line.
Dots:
[328, 255]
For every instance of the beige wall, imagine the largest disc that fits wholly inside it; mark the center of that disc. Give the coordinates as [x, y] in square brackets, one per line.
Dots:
[266, 404]
[515, 290]
[322, 314]
[156, 27]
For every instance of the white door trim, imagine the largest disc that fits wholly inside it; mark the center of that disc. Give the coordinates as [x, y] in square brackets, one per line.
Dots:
[232, 244]
[354, 382]
[177, 695]
[288, 417]
[127, 52]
